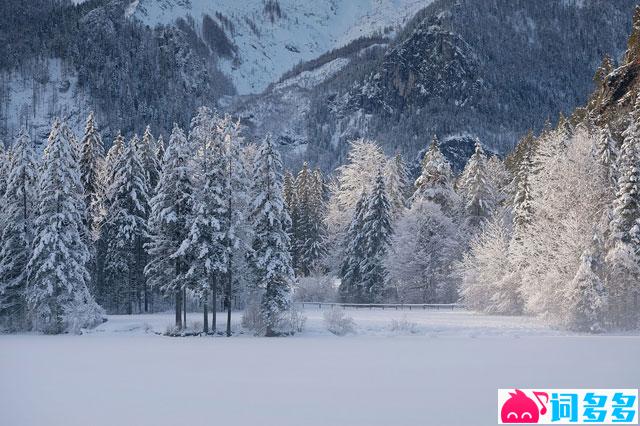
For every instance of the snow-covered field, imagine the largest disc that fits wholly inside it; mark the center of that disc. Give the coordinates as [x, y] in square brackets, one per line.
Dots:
[443, 369]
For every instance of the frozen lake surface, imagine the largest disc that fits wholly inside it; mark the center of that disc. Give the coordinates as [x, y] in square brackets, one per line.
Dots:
[443, 369]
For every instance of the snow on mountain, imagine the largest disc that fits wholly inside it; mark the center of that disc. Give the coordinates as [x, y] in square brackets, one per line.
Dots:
[35, 102]
[272, 36]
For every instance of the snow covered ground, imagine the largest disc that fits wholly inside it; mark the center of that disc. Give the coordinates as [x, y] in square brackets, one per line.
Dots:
[445, 372]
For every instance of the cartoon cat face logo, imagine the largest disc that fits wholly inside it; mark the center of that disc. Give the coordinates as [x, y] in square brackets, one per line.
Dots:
[519, 408]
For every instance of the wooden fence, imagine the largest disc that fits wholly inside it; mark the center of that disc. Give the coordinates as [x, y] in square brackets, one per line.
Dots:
[383, 306]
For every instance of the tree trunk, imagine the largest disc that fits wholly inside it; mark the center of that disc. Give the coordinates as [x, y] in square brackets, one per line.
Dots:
[214, 306]
[178, 310]
[184, 307]
[206, 314]
[229, 301]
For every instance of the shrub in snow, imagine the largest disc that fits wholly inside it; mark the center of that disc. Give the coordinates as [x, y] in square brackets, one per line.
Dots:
[252, 319]
[316, 288]
[338, 323]
[403, 326]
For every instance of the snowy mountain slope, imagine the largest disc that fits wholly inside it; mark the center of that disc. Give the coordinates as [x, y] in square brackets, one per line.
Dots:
[270, 37]
[34, 102]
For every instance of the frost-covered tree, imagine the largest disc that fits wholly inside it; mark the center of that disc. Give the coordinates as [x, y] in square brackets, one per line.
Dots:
[125, 230]
[562, 224]
[171, 209]
[353, 178]
[397, 184]
[500, 180]
[423, 249]
[271, 256]
[20, 200]
[435, 182]
[57, 295]
[376, 234]
[487, 282]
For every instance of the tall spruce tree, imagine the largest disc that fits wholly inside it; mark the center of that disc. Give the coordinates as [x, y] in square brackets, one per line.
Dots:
[376, 232]
[271, 255]
[205, 243]
[91, 174]
[435, 182]
[20, 200]
[623, 258]
[397, 184]
[351, 290]
[148, 153]
[126, 231]
[475, 186]
[171, 209]
[57, 295]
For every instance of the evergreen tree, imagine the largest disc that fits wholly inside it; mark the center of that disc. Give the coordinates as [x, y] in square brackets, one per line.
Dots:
[91, 173]
[376, 232]
[148, 151]
[17, 235]
[435, 182]
[351, 290]
[205, 243]
[475, 185]
[522, 204]
[397, 184]
[111, 159]
[608, 154]
[237, 235]
[304, 217]
[271, 255]
[624, 246]
[125, 230]
[587, 298]
[57, 295]
[171, 209]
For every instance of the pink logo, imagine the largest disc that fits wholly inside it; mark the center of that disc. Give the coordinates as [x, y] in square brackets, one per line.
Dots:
[519, 408]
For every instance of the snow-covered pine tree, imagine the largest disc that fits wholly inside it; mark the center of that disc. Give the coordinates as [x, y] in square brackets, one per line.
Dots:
[57, 295]
[20, 200]
[377, 231]
[111, 159]
[397, 184]
[608, 154]
[160, 148]
[623, 261]
[171, 209]
[205, 243]
[304, 217]
[315, 247]
[475, 186]
[500, 180]
[238, 235]
[271, 255]
[522, 205]
[91, 174]
[350, 290]
[435, 182]
[587, 297]
[148, 151]
[290, 202]
[125, 229]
